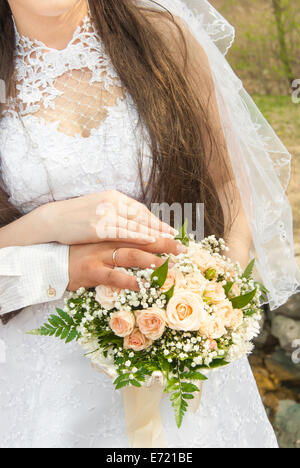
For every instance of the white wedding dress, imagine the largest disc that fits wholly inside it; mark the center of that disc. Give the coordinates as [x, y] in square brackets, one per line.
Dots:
[51, 150]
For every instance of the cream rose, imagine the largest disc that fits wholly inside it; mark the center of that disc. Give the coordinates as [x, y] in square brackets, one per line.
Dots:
[122, 323]
[196, 283]
[137, 341]
[203, 259]
[215, 292]
[152, 322]
[174, 278]
[186, 311]
[233, 318]
[105, 296]
[213, 329]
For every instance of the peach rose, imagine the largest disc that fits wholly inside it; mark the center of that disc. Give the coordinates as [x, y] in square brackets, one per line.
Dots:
[137, 341]
[196, 283]
[105, 296]
[186, 311]
[203, 259]
[152, 322]
[122, 323]
[233, 318]
[215, 292]
[174, 278]
[213, 329]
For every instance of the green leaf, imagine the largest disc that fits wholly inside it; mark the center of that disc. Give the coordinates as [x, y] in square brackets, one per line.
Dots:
[161, 274]
[249, 270]
[227, 287]
[66, 317]
[121, 378]
[135, 383]
[169, 294]
[172, 385]
[183, 234]
[179, 406]
[36, 332]
[218, 363]
[188, 396]
[122, 384]
[240, 302]
[250, 312]
[189, 387]
[72, 335]
[193, 376]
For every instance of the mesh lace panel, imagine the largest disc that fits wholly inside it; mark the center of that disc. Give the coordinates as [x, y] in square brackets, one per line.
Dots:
[73, 88]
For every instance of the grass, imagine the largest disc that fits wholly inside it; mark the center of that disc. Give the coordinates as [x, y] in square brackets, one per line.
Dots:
[284, 116]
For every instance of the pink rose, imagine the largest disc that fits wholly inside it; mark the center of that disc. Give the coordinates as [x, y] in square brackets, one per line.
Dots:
[105, 296]
[152, 322]
[122, 323]
[186, 311]
[137, 341]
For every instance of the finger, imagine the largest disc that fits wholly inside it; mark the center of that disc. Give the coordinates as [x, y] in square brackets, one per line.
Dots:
[139, 213]
[113, 233]
[165, 246]
[134, 258]
[146, 228]
[115, 279]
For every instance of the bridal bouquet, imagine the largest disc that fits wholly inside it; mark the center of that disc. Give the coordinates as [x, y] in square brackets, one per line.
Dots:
[194, 314]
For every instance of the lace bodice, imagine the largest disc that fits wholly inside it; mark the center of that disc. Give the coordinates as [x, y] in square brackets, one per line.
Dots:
[72, 124]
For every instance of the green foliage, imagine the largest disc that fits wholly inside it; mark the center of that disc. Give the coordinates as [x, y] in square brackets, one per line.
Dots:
[242, 301]
[169, 294]
[227, 287]
[159, 276]
[249, 270]
[61, 326]
[180, 390]
[183, 234]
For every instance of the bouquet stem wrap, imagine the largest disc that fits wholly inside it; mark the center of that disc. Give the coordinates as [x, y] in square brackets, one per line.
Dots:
[142, 414]
[143, 419]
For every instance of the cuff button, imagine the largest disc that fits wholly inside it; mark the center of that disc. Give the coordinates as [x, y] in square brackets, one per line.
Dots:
[51, 292]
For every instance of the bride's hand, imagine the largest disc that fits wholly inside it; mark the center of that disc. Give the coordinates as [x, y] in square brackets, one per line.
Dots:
[100, 217]
[93, 264]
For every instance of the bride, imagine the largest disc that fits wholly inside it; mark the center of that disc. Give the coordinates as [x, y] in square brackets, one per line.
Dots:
[124, 103]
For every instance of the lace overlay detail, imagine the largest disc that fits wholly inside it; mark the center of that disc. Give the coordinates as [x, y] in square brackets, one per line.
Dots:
[49, 81]
[49, 395]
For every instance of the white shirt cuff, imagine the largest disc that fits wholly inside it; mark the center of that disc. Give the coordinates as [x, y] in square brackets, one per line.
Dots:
[32, 275]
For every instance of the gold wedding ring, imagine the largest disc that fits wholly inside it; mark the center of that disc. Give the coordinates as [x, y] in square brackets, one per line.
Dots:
[114, 257]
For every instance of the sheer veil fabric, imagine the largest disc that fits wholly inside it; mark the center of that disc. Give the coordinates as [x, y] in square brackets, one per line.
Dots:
[261, 163]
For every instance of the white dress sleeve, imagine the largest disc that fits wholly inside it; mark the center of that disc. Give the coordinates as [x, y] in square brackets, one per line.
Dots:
[32, 275]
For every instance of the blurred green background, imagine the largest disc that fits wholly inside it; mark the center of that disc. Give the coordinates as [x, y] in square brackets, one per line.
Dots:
[266, 56]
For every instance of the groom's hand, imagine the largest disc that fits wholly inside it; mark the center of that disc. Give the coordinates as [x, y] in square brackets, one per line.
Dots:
[93, 264]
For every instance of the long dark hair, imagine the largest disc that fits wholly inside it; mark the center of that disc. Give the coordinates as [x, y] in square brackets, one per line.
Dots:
[168, 107]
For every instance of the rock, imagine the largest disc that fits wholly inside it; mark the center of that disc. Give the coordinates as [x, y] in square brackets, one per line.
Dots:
[281, 366]
[271, 401]
[291, 309]
[287, 331]
[256, 360]
[287, 424]
[264, 381]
